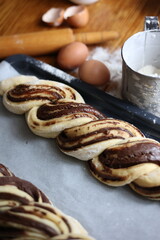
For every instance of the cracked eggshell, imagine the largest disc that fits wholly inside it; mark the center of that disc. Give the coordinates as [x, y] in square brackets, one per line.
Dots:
[76, 16]
[54, 17]
[85, 2]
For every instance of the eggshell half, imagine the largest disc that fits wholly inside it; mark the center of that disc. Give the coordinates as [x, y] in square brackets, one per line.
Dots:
[76, 16]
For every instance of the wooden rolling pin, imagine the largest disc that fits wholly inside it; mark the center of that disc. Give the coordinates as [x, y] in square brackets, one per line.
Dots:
[46, 42]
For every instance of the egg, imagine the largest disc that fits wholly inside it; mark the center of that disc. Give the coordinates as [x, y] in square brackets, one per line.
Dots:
[94, 72]
[76, 16]
[72, 55]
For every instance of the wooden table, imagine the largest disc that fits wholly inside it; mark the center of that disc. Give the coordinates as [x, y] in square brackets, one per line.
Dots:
[124, 16]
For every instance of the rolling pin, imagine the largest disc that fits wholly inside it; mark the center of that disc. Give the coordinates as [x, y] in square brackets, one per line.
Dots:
[46, 42]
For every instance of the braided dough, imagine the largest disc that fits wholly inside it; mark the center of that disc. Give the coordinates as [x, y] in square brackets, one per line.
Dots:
[117, 152]
[89, 140]
[49, 119]
[133, 162]
[26, 213]
[22, 93]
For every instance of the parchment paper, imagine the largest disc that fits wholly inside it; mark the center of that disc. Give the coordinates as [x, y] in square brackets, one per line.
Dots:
[107, 213]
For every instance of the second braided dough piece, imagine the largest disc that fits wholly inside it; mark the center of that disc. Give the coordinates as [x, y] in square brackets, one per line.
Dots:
[26, 213]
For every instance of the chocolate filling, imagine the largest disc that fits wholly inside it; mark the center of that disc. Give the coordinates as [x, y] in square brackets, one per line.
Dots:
[147, 191]
[52, 210]
[51, 110]
[24, 92]
[13, 197]
[107, 135]
[104, 176]
[26, 221]
[5, 171]
[25, 186]
[73, 96]
[126, 156]
[7, 233]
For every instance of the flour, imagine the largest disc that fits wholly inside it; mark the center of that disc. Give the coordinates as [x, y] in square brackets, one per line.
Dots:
[50, 69]
[150, 70]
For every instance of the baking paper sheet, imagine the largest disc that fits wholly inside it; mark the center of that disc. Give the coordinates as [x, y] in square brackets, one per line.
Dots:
[107, 213]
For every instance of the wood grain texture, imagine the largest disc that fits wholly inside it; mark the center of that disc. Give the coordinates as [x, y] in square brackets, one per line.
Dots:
[124, 16]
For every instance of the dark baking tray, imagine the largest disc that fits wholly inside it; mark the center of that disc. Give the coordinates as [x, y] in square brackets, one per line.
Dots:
[148, 123]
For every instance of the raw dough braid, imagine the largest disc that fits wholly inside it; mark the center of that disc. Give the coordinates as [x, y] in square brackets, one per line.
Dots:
[117, 152]
[134, 161]
[23, 215]
[59, 237]
[5, 172]
[49, 119]
[22, 93]
[71, 237]
[15, 191]
[89, 140]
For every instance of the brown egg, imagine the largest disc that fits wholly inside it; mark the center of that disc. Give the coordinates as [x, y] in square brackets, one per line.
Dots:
[94, 72]
[72, 55]
[76, 16]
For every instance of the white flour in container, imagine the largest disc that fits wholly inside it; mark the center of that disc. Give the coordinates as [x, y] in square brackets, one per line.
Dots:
[150, 70]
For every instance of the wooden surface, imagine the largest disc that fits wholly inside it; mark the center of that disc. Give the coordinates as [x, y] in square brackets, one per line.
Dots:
[124, 16]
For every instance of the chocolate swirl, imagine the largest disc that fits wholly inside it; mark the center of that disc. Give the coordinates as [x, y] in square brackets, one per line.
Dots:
[17, 187]
[32, 217]
[15, 191]
[22, 94]
[90, 139]
[71, 237]
[5, 172]
[59, 109]
[50, 119]
[135, 161]
[129, 154]
[38, 220]
[26, 213]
